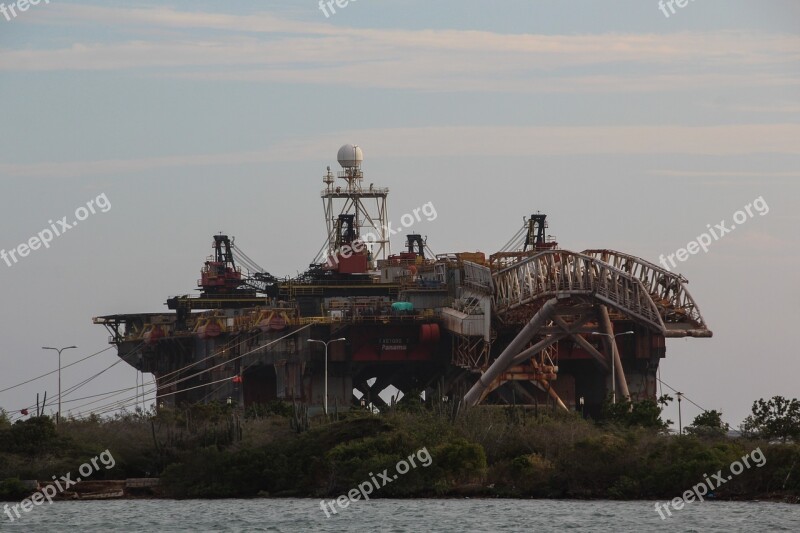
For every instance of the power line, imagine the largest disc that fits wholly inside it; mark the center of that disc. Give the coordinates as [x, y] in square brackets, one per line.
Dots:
[109, 394]
[78, 386]
[181, 380]
[215, 354]
[114, 408]
[120, 404]
[19, 414]
[684, 396]
[54, 371]
[124, 402]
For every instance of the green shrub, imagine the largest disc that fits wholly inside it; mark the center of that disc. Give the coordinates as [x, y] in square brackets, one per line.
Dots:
[31, 437]
[13, 489]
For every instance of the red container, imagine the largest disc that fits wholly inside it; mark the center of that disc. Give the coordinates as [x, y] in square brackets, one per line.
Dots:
[212, 329]
[355, 264]
[153, 335]
[429, 334]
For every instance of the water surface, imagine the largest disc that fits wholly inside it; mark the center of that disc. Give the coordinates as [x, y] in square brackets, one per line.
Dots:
[415, 516]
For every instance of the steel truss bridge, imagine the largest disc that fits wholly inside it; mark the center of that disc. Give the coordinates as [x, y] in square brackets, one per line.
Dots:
[560, 294]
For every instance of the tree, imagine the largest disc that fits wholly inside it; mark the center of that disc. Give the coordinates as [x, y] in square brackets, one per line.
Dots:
[36, 435]
[644, 413]
[708, 423]
[775, 418]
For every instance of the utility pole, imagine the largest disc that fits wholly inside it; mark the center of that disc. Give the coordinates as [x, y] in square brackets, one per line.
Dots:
[325, 403]
[59, 350]
[680, 422]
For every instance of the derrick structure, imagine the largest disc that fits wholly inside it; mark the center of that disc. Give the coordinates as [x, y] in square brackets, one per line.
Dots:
[366, 205]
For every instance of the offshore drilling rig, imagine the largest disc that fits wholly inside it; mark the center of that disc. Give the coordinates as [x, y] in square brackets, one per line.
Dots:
[529, 324]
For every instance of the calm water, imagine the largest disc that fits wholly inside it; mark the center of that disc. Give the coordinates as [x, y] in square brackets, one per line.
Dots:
[415, 516]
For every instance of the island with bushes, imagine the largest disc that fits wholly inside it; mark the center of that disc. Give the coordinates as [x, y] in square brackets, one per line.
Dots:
[277, 450]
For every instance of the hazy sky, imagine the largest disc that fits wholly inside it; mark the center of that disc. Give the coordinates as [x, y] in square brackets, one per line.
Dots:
[630, 129]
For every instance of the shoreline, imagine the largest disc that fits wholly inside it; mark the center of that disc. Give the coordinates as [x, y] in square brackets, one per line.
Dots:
[75, 496]
[789, 500]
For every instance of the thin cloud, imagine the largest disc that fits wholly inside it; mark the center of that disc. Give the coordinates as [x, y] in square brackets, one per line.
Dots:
[271, 49]
[671, 173]
[464, 142]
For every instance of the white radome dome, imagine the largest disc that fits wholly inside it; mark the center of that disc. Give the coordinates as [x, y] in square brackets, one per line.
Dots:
[350, 156]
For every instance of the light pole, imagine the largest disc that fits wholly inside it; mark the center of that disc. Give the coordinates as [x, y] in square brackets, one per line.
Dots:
[325, 403]
[59, 350]
[614, 362]
[581, 401]
[680, 423]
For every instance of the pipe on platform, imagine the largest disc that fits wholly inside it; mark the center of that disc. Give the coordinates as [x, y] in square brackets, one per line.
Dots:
[506, 359]
[552, 339]
[583, 343]
[553, 394]
[538, 347]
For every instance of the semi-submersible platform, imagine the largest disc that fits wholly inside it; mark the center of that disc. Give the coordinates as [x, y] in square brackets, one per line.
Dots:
[530, 324]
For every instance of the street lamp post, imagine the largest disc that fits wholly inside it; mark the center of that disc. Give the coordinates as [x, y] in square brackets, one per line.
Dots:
[59, 350]
[614, 361]
[680, 422]
[325, 403]
[581, 401]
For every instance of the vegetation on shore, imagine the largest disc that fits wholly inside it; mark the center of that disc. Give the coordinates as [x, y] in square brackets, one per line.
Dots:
[216, 451]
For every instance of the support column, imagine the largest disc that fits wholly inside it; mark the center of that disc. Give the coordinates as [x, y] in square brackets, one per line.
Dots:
[608, 328]
[506, 359]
